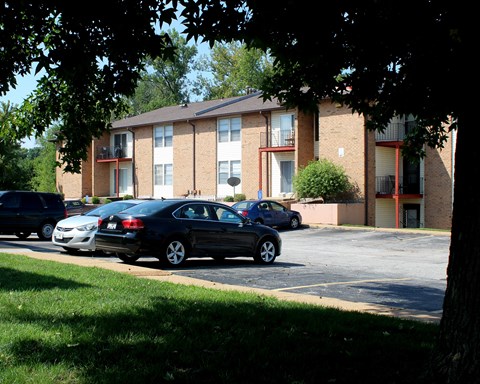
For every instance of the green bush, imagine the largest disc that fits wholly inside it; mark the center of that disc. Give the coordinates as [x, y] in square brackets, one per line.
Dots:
[323, 179]
[95, 200]
[239, 197]
[127, 197]
[228, 199]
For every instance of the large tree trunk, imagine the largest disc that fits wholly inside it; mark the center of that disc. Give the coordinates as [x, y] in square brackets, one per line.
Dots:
[457, 356]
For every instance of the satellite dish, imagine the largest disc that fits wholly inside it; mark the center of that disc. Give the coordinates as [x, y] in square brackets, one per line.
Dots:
[233, 181]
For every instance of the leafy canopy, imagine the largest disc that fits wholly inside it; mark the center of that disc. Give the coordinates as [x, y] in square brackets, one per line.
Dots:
[88, 58]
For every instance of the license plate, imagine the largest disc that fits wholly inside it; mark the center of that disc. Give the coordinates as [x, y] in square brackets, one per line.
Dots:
[111, 225]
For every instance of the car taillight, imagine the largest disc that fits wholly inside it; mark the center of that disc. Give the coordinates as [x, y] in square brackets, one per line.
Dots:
[132, 224]
[65, 213]
[99, 222]
[244, 213]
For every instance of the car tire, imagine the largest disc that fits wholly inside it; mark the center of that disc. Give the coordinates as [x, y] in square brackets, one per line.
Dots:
[127, 257]
[45, 231]
[22, 235]
[294, 223]
[175, 252]
[266, 252]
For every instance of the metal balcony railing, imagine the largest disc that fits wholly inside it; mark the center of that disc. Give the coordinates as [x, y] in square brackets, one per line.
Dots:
[111, 152]
[385, 185]
[395, 131]
[280, 138]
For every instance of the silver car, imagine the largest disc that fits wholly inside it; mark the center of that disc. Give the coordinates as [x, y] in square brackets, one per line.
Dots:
[77, 233]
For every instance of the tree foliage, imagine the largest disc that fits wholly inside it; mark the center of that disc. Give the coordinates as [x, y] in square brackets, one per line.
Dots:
[44, 164]
[165, 82]
[88, 60]
[232, 70]
[323, 179]
[15, 165]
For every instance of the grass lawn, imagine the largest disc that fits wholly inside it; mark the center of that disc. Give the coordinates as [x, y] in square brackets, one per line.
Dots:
[61, 323]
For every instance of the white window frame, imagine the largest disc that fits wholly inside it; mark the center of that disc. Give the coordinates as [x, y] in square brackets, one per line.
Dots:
[229, 129]
[163, 174]
[163, 136]
[227, 169]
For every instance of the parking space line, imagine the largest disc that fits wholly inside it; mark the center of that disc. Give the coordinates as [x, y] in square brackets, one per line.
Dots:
[342, 283]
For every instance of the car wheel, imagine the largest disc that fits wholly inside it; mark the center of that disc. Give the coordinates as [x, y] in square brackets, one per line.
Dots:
[176, 252]
[127, 257]
[294, 222]
[46, 231]
[266, 252]
[23, 235]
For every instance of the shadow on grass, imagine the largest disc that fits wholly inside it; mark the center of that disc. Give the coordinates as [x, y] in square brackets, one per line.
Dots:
[134, 330]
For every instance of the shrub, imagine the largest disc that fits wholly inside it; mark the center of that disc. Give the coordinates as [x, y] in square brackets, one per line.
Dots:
[127, 197]
[95, 200]
[323, 179]
[239, 197]
[228, 199]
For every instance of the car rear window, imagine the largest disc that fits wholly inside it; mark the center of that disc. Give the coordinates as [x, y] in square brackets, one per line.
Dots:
[243, 205]
[53, 200]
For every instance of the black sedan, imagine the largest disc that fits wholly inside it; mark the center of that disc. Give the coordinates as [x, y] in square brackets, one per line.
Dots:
[175, 229]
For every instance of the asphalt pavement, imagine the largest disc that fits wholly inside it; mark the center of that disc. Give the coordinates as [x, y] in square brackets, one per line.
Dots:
[164, 275]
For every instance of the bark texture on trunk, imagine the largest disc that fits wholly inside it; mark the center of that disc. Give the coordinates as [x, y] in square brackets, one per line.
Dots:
[456, 358]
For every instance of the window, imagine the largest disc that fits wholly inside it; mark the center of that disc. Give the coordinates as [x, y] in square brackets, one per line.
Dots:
[229, 129]
[163, 174]
[164, 136]
[119, 144]
[227, 169]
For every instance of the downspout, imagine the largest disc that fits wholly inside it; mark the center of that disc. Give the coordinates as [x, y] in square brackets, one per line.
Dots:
[366, 164]
[134, 176]
[267, 156]
[193, 156]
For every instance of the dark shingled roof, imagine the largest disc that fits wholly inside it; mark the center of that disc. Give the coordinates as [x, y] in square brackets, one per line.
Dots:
[200, 110]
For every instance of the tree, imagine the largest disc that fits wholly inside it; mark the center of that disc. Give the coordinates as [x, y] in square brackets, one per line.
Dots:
[88, 61]
[15, 165]
[45, 163]
[165, 82]
[381, 59]
[233, 70]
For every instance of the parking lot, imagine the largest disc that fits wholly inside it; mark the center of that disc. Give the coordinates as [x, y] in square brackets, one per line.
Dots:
[396, 269]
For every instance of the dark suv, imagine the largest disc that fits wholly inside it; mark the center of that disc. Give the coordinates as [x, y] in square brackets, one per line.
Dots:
[24, 212]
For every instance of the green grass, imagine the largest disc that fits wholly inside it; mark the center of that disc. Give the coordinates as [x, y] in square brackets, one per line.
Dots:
[62, 323]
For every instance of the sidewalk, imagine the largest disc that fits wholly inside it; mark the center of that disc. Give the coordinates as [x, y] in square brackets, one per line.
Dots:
[161, 275]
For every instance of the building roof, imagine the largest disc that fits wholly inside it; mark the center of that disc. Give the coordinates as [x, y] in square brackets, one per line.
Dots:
[200, 110]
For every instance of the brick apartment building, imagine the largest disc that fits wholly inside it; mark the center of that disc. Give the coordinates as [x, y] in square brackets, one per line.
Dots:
[193, 149]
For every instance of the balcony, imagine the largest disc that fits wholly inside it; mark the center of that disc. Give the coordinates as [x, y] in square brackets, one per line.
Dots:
[395, 131]
[282, 138]
[411, 185]
[111, 153]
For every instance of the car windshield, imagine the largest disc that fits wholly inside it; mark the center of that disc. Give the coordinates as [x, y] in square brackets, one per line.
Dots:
[110, 208]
